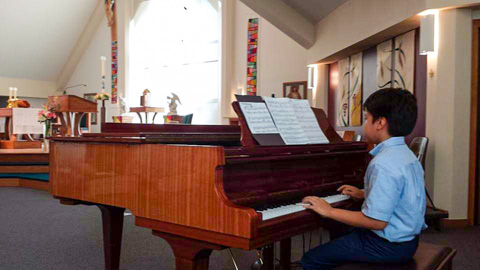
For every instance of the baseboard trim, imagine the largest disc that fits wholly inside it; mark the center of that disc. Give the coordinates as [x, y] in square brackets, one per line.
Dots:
[26, 183]
[455, 223]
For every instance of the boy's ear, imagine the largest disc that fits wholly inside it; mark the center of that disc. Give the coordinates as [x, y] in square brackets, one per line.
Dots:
[381, 123]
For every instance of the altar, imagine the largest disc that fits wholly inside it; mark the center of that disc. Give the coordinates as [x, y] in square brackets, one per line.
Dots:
[19, 124]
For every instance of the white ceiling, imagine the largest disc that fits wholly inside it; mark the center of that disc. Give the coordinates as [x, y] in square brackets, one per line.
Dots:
[37, 36]
[314, 10]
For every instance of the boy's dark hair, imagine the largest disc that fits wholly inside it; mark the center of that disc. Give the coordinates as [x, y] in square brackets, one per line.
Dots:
[398, 106]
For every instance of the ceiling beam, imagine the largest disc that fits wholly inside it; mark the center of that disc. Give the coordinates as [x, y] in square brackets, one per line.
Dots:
[286, 19]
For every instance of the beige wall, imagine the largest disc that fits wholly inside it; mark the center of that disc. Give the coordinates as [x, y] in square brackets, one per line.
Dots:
[448, 113]
[320, 91]
[27, 88]
[88, 69]
[280, 59]
[357, 20]
[337, 32]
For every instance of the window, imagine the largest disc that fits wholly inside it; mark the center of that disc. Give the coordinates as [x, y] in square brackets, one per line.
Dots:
[176, 49]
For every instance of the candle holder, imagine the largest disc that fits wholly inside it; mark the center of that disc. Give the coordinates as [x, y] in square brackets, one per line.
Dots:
[12, 103]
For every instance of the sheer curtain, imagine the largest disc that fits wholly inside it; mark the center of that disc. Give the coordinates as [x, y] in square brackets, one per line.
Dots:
[176, 49]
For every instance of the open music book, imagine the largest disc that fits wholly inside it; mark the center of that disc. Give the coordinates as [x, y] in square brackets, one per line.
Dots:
[293, 119]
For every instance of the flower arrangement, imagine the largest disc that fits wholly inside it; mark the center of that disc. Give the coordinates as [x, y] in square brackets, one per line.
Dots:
[47, 114]
[102, 96]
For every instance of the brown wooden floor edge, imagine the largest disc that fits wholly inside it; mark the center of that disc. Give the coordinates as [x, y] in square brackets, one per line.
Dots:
[27, 183]
[455, 223]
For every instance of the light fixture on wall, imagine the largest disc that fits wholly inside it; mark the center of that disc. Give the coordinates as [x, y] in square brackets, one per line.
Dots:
[427, 34]
[310, 71]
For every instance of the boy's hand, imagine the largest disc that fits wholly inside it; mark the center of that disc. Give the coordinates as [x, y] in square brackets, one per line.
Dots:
[318, 205]
[352, 191]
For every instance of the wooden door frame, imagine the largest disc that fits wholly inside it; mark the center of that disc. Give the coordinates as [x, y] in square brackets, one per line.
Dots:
[472, 185]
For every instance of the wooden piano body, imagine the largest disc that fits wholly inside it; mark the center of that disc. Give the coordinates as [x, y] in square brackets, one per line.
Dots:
[198, 186]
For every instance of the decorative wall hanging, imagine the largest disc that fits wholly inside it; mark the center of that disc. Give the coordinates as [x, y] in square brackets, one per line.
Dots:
[343, 93]
[252, 56]
[111, 12]
[384, 64]
[404, 64]
[355, 93]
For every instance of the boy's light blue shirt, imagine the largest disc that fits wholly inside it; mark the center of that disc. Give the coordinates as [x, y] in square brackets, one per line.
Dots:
[395, 191]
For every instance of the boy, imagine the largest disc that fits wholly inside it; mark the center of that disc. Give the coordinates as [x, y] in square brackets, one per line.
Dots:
[392, 214]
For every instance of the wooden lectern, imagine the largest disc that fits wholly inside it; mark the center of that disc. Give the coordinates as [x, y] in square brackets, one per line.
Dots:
[70, 110]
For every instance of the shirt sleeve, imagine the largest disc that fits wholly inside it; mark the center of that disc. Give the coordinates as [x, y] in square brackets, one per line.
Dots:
[383, 193]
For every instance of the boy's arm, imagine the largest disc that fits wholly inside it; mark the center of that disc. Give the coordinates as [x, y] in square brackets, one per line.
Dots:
[353, 218]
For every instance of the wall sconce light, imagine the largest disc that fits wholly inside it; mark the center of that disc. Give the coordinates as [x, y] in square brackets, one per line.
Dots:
[310, 71]
[427, 34]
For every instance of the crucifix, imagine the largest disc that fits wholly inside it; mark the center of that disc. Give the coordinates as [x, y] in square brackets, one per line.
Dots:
[111, 12]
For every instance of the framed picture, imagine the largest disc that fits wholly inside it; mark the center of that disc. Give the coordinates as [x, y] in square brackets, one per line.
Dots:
[92, 116]
[296, 90]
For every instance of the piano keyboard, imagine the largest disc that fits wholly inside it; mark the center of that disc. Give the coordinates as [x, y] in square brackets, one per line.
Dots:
[293, 208]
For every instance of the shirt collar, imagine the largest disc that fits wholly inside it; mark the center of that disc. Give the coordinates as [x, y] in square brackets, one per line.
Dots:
[387, 143]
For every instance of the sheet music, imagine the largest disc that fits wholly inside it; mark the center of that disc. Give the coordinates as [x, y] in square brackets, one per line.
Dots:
[286, 120]
[308, 121]
[258, 118]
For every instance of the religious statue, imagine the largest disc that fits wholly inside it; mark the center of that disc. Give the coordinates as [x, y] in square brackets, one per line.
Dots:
[172, 105]
[294, 93]
[123, 104]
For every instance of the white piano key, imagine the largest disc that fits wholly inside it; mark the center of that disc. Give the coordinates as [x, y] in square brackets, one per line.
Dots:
[297, 207]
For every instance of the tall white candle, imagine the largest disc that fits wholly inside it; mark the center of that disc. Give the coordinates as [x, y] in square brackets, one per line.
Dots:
[10, 93]
[15, 93]
[103, 58]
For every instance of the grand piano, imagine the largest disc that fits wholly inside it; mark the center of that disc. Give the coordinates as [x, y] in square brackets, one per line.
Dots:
[203, 188]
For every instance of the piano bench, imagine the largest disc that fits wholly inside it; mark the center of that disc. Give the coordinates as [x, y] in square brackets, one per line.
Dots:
[427, 257]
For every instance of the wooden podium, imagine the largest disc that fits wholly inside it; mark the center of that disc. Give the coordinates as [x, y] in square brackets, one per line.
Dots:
[70, 110]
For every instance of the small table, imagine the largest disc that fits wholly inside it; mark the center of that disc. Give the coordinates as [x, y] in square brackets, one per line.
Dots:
[147, 110]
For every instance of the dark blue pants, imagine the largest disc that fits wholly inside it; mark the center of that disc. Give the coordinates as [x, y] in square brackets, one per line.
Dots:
[361, 245]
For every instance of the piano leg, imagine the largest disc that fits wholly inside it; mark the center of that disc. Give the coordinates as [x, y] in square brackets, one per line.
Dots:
[190, 254]
[285, 253]
[112, 219]
[269, 257]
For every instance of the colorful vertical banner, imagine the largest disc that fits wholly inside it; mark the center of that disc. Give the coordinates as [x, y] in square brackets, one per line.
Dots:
[252, 56]
[114, 71]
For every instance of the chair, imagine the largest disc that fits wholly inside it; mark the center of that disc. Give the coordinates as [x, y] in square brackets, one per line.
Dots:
[348, 135]
[419, 148]
[187, 119]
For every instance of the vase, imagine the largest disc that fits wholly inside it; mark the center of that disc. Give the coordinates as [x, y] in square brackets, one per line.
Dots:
[47, 132]
[103, 113]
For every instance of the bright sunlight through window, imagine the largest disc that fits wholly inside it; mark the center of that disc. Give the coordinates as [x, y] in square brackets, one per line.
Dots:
[176, 49]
